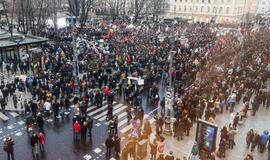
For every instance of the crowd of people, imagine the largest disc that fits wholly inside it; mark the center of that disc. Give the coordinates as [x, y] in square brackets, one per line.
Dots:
[210, 75]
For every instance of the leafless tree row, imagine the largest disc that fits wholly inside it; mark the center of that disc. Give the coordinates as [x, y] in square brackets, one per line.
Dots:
[32, 15]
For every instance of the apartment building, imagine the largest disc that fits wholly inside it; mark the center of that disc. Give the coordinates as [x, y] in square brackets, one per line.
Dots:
[223, 11]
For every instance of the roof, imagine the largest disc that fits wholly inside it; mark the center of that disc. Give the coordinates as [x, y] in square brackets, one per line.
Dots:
[18, 39]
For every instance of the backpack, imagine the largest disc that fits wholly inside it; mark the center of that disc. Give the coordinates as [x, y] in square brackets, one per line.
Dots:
[5, 147]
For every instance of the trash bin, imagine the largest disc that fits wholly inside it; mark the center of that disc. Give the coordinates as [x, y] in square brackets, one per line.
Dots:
[142, 149]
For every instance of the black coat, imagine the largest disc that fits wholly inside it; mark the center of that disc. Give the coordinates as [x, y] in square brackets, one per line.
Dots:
[33, 107]
[40, 122]
[34, 140]
[117, 145]
[109, 142]
[90, 123]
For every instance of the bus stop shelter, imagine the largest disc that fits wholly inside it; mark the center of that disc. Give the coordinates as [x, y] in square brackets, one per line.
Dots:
[12, 46]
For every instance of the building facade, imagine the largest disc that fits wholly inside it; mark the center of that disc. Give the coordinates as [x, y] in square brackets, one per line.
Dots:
[263, 7]
[222, 11]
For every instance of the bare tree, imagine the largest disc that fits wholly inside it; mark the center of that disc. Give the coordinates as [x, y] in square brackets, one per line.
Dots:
[142, 8]
[8, 7]
[33, 14]
[81, 9]
[139, 8]
[157, 7]
[113, 8]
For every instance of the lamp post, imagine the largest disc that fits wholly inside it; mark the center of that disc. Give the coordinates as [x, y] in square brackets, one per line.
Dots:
[75, 58]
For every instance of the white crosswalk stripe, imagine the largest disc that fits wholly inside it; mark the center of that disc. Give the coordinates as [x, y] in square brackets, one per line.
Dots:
[105, 112]
[98, 110]
[115, 111]
[128, 127]
[3, 117]
[92, 107]
[121, 123]
[122, 115]
[100, 114]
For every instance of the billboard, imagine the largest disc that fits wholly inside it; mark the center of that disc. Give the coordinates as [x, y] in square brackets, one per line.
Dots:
[206, 135]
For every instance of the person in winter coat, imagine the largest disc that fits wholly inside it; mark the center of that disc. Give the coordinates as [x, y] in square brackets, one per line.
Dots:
[34, 145]
[41, 141]
[236, 120]
[169, 156]
[222, 148]
[83, 129]
[147, 128]
[15, 100]
[249, 137]
[55, 107]
[264, 138]
[76, 130]
[153, 150]
[109, 144]
[9, 148]
[194, 151]
[161, 157]
[106, 92]
[40, 123]
[231, 135]
[255, 141]
[161, 146]
[162, 107]
[117, 146]
[89, 126]
[249, 157]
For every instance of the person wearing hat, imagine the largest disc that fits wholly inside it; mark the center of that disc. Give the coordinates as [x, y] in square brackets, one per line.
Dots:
[169, 156]
[9, 148]
[161, 157]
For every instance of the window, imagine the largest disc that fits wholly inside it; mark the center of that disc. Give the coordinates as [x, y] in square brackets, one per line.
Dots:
[179, 8]
[202, 9]
[209, 1]
[180, 0]
[222, 1]
[214, 10]
[174, 8]
[202, 1]
[229, 1]
[220, 9]
[185, 8]
[197, 1]
[196, 8]
[186, 1]
[190, 9]
[175, 1]
[208, 9]
[228, 10]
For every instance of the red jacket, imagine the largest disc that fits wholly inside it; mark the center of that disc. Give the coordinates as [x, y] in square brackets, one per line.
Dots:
[71, 85]
[41, 138]
[76, 127]
[106, 91]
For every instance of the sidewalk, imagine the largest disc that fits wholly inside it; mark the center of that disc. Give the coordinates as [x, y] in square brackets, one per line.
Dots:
[260, 122]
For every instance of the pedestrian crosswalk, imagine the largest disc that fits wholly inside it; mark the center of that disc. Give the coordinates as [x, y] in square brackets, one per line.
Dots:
[99, 114]
[119, 110]
[5, 116]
